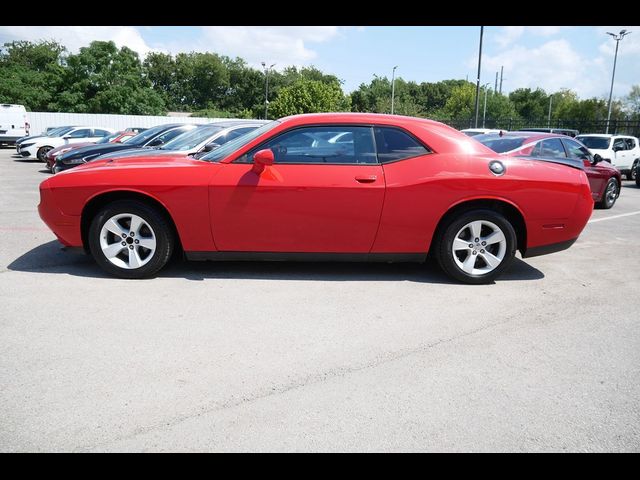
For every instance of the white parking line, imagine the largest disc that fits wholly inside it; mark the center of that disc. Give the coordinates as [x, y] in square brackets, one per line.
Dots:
[614, 216]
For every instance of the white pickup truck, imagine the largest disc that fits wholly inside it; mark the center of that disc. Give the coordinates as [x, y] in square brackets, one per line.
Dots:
[622, 151]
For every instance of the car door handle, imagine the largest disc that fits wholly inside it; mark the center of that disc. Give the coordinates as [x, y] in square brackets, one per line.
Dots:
[366, 178]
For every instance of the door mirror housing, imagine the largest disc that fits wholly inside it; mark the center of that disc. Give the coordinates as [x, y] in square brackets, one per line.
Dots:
[597, 159]
[262, 159]
[210, 146]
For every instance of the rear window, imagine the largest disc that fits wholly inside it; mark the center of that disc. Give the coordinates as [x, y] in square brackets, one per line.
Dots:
[599, 143]
[501, 144]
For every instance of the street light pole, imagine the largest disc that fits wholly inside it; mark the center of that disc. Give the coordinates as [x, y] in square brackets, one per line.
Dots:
[393, 87]
[266, 88]
[478, 78]
[549, 117]
[617, 38]
[484, 113]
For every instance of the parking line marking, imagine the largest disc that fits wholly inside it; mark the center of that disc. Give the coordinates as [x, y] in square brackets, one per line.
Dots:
[614, 216]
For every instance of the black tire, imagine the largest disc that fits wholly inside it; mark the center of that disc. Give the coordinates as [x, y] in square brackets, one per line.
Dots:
[608, 200]
[633, 173]
[164, 238]
[42, 152]
[444, 243]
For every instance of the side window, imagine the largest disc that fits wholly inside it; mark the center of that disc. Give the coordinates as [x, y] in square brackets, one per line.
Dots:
[100, 133]
[317, 145]
[619, 144]
[575, 150]
[81, 133]
[631, 143]
[393, 144]
[551, 147]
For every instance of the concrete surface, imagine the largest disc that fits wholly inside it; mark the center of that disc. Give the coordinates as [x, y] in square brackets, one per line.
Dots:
[316, 357]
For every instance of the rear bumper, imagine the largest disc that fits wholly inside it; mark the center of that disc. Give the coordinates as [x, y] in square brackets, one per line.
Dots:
[546, 249]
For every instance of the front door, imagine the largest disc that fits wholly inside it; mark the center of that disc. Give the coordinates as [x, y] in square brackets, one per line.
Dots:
[323, 194]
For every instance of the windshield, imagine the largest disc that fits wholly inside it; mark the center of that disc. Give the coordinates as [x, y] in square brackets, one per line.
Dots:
[237, 143]
[191, 139]
[598, 143]
[142, 138]
[58, 132]
[108, 138]
[500, 144]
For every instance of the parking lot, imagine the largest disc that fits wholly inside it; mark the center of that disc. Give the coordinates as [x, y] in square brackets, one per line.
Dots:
[316, 357]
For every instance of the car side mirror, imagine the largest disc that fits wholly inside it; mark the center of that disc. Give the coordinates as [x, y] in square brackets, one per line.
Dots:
[597, 159]
[155, 143]
[262, 159]
[210, 146]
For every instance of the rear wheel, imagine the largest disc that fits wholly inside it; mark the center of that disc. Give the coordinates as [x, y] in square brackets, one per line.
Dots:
[611, 194]
[476, 246]
[130, 239]
[633, 173]
[42, 153]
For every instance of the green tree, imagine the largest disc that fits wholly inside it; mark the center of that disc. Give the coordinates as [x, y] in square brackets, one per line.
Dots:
[31, 74]
[308, 96]
[530, 104]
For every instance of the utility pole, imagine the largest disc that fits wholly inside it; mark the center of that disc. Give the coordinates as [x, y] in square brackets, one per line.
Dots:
[478, 78]
[266, 89]
[549, 116]
[393, 87]
[495, 89]
[501, 71]
[617, 38]
[484, 113]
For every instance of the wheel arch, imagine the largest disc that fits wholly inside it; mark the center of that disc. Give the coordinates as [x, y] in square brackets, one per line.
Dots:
[510, 211]
[95, 203]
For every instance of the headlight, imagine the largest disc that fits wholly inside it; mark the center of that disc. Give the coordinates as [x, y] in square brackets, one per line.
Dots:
[26, 145]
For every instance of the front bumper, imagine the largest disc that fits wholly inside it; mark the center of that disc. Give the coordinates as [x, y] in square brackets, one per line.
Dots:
[65, 227]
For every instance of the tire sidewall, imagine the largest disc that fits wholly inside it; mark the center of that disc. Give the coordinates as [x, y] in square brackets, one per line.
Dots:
[42, 151]
[161, 228]
[445, 253]
[605, 201]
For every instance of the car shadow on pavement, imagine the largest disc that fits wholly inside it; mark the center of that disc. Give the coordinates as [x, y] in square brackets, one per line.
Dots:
[51, 258]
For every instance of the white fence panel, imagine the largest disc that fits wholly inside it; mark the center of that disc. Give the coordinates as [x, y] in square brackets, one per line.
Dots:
[40, 121]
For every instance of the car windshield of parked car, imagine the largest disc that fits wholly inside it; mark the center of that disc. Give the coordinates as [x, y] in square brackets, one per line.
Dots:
[191, 139]
[142, 138]
[237, 143]
[500, 144]
[598, 143]
[58, 132]
[109, 138]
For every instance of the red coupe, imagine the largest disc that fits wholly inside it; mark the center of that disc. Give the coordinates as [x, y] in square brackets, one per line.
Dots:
[339, 186]
[605, 180]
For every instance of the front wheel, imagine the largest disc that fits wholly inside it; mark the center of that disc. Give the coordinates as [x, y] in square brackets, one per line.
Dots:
[42, 153]
[476, 246]
[611, 194]
[633, 173]
[130, 239]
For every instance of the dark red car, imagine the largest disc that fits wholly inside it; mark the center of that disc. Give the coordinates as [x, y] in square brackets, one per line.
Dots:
[604, 179]
[339, 186]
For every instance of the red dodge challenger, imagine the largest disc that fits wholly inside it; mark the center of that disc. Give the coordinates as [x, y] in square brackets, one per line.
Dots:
[336, 186]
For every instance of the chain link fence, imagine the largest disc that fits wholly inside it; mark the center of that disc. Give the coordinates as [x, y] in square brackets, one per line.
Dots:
[624, 127]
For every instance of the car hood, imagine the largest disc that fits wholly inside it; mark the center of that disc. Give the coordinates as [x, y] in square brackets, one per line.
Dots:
[150, 161]
[96, 150]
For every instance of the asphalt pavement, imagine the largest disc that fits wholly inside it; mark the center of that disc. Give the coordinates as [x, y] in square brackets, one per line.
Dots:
[316, 356]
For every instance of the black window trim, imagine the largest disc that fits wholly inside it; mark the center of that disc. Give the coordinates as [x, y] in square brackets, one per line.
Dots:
[371, 126]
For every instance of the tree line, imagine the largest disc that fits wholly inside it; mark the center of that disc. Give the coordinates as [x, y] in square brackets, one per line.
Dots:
[102, 78]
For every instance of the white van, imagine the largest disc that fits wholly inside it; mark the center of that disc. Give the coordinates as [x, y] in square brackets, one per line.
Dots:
[14, 123]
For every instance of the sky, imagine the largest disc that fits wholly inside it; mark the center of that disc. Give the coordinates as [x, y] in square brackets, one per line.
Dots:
[577, 57]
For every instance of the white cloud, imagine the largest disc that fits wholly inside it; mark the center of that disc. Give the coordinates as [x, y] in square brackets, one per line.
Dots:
[629, 46]
[281, 45]
[75, 37]
[507, 35]
[551, 66]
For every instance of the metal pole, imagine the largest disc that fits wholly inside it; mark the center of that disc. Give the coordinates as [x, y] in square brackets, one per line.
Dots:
[501, 72]
[478, 78]
[484, 113]
[495, 89]
[613, 76]
[266, 89]
[549, 116]
[393, 87]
